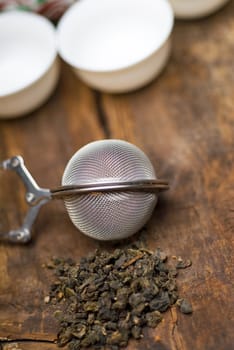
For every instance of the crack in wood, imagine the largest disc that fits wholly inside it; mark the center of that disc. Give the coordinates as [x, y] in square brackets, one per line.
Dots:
[25, 340]
[102, 117]
[174, 328]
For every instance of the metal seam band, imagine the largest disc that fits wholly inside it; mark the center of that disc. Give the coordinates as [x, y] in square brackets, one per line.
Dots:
[130, 186]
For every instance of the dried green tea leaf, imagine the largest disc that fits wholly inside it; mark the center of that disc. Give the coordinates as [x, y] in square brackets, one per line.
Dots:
[153, 318]
[184, 306]
[183, 264]
[109, 297]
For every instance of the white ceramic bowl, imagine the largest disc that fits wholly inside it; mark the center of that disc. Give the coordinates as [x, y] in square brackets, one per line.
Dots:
[189, 9]
[28, 66]
[116, 45]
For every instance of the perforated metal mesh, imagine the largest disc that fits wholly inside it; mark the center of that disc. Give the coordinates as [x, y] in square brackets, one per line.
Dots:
[109, 216]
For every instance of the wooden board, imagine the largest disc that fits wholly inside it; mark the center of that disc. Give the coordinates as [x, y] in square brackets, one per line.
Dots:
[184, 121]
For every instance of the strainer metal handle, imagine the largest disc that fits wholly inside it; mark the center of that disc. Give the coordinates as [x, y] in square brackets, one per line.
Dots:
[36, 196]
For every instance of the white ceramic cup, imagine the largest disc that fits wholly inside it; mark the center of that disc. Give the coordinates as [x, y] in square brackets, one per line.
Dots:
[189, 9]
[116, 45]
[29, 68]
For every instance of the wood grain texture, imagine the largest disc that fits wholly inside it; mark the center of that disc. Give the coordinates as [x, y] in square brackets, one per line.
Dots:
[184, 121]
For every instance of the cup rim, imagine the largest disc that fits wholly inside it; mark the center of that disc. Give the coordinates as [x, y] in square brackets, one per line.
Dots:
[86, 68]
[22, 15]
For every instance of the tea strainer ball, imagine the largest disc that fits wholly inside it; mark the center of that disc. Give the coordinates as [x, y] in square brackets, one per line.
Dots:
[109, 188]
[112, 215]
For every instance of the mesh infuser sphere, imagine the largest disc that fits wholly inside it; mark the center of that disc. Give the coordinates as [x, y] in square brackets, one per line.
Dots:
[109, 216]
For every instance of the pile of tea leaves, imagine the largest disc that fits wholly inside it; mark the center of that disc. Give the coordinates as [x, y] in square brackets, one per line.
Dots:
[109, 297]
